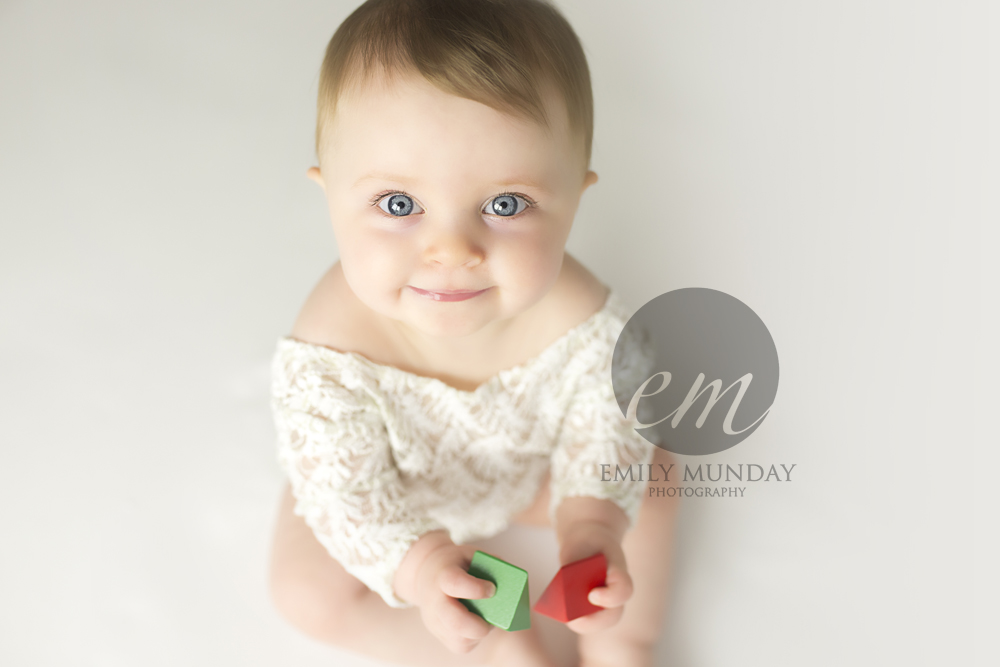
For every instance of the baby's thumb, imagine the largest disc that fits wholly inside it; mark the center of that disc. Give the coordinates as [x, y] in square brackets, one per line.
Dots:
[460, 584]
[488, 588]
[617, 589]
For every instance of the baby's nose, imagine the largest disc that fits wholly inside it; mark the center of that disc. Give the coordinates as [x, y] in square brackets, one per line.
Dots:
[453, 245]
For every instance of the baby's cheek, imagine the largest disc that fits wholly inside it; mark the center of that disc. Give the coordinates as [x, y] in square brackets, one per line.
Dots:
[374, 274]
[528, 266]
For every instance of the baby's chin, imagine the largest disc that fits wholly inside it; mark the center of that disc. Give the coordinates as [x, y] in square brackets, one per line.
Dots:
[488, 313]
[444, 331]
[448, 319]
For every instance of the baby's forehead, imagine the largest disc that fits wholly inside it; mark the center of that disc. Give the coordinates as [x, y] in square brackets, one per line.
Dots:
[365, 100]
[402, 83]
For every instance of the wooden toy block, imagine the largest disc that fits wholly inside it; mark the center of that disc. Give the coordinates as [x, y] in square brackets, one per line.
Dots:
[565, 598]
[508, 608]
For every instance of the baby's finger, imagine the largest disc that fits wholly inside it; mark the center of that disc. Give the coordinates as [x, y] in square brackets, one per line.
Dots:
[458, 583]
[458, 620]
[597, 621]
[617, 589]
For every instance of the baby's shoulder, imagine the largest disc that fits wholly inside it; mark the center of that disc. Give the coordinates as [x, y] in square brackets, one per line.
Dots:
[332, 317]
[578, 292]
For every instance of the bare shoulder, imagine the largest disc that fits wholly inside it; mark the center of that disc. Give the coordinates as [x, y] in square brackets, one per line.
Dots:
[331, 317]
[575, 297]
[580, 293]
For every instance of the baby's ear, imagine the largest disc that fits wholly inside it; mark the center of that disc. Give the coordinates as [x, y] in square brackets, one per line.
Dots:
[314, 174]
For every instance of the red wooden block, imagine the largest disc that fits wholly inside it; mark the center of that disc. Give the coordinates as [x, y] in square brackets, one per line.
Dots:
[566, 595]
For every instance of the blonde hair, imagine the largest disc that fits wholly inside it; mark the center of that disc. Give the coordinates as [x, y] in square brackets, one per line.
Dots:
[496, 52]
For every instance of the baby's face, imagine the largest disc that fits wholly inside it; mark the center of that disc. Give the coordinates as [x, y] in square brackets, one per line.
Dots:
[432, 192]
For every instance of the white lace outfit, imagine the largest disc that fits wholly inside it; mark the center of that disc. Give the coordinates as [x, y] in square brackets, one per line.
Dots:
[378, 456]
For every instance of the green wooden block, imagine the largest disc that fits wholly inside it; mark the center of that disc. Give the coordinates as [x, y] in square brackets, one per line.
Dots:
[508, 608]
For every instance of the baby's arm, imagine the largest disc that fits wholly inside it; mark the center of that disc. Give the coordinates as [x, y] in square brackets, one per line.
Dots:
[596, 523]
[586, 526]
[333, 445]
[590, 511]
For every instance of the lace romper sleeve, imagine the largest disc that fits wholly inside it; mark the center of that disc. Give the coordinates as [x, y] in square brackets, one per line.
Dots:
[335, 449]
[594, 431]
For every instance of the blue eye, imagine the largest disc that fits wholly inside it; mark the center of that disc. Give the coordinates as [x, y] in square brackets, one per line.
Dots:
[506, 205]
[399, 205]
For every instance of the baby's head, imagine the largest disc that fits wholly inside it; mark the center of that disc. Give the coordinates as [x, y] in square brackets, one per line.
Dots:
[453, 138]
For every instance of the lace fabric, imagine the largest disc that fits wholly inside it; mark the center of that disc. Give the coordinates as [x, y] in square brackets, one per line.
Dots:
[377, 456]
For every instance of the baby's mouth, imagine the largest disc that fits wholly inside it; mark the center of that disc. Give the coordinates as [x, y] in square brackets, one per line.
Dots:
[448, 295]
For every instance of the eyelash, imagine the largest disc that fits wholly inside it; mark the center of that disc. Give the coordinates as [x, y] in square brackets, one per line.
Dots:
[374, 201]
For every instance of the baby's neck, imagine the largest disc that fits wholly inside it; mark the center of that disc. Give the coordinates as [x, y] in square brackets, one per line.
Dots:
[469, 359]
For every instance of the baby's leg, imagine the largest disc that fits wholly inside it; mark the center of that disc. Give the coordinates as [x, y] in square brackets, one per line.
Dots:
[648, 548]
[314, 593]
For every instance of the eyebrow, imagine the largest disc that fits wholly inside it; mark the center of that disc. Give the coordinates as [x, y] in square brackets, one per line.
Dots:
[379, 176]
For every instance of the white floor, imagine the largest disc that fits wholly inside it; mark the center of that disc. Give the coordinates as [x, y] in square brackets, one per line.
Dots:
[158, 234]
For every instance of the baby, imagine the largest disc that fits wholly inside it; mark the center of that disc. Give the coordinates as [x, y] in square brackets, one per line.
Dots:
[451, 373]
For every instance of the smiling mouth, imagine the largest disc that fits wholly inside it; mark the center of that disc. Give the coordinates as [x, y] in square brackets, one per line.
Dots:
[447, 295]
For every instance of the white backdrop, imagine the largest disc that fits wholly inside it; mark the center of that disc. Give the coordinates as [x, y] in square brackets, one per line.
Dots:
[826, 162]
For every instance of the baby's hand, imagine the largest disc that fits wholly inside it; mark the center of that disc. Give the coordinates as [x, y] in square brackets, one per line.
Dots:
[586, 540]
[443, 576]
